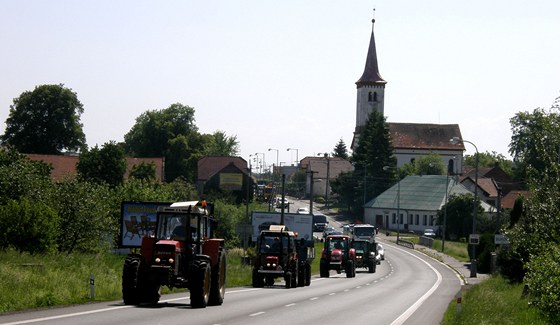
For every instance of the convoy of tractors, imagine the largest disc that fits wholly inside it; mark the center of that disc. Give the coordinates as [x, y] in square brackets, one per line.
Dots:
[181, 252]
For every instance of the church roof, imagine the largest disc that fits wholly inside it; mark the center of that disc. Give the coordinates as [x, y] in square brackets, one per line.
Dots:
[424, 136]
[371, 74]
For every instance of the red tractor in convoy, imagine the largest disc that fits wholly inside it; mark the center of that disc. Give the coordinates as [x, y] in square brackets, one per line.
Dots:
[277, 256]
[181, 254]
[338, 255]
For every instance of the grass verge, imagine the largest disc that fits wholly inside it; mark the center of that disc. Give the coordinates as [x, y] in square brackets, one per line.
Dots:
[493, 301]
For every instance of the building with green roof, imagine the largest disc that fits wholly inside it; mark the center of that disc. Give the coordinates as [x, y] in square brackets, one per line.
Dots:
[418, 199]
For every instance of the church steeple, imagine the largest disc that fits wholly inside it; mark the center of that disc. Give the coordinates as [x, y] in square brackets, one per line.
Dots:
[371, 90]
[371, 74]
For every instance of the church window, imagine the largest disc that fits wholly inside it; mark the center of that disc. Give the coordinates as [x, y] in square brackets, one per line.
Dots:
[375, 96]
[369, 97]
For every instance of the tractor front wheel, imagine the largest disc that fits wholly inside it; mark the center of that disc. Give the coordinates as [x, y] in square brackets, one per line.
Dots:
[200, 287]
[218, 286]
[324, 269]
[131, 283]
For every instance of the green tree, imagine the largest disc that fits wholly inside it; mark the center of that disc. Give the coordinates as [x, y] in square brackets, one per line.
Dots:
[490, 159]
[430, 164]
[222, 145]
[459, 216]
[86, 212]
[45, 121]
[107, 164]
[143, 171]
[373, 153]
[340, 150]
[169, 133]
[21, 177]
[535, 140]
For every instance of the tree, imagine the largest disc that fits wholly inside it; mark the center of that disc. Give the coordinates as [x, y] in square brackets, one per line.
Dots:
[107, 164]
[459, 216]
[430, 164]
[45, 121]
[222, 145]
[340, 150]
[169, 133]
[143, 171]
[370, 177]
[535, 139]
[490, 159]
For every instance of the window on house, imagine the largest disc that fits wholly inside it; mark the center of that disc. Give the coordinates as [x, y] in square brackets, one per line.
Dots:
[417, 220]
[375, 96]
[412, 160]
[432, 220]
[401, 219]
[425, 221]
[410, 221]
[394, 218]
[450, 166]
[369, 97]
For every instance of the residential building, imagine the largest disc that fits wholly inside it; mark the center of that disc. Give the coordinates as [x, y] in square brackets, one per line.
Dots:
[416, 199]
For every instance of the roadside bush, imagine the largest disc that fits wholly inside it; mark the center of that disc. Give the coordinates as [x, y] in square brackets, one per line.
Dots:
[28, 226]
[543, 278]
[510, 264]
[484, 252]
[86, 220]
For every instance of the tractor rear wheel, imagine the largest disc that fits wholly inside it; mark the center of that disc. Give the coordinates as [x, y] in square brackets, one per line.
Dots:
[307, 274]
[302, 275]
[258, 280]
[324, 270]
[371, 266]
[288, 279]
[349, 269]
[200, 287]
[218, 286]
[294, 278]
[131, 282]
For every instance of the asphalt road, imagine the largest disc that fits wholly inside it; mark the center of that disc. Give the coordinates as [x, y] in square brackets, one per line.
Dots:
[408, 288]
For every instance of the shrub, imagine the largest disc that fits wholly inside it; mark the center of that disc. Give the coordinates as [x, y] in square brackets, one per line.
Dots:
[28, 226]
[543, 278]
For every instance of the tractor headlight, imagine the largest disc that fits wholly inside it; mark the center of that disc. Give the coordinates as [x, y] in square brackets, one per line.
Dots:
[158, 260]
[171, 261]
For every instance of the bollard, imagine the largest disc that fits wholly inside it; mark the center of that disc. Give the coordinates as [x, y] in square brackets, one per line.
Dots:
[459, 301]
[91, 286]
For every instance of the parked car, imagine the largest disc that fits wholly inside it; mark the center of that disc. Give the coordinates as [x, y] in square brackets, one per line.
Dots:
[327, 231]
[380, 252]
[429, 233]
[303, 211]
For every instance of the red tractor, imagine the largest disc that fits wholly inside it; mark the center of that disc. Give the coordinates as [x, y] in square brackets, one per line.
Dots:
[182, 254]
[276, 257]
[338, 255]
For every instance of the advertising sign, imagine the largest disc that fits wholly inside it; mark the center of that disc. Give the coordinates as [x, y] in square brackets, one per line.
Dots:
[138, 219]
[231, 181]
[300, 223]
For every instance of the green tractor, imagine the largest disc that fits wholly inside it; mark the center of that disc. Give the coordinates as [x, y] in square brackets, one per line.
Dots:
[366, 253]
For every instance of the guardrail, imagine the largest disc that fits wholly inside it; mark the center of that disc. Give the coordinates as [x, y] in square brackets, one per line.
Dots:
[405, 243]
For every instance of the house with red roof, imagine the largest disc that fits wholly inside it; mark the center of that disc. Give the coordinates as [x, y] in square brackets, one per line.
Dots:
[224, 173]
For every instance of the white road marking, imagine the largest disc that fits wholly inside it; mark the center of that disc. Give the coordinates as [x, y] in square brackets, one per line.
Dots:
[257, 314]
[404, 316]
[290, 305]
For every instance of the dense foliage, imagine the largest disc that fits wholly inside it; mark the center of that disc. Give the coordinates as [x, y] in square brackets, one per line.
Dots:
[45, 121]
[375, 166]
[103, 165]
[534, 231]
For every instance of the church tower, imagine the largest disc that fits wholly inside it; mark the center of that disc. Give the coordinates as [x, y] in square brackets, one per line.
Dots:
[371, 89]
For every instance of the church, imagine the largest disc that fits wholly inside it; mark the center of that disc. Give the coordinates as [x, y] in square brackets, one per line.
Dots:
[410, 140]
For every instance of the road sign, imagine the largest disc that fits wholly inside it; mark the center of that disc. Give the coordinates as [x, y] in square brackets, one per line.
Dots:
[501, 240]
[474, 239]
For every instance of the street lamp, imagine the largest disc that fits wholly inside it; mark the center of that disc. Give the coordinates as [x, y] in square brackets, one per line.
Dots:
[297, 158]
[270, 149]
[263, 167]
[457, 140]
[398, 203]
[326, 156]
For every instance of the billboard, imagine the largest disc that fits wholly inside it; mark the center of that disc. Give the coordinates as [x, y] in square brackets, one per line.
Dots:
[138, 219]
[300, 223]
[231, 181]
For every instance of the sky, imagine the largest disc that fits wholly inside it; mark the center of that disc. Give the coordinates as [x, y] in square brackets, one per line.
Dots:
[281, 74]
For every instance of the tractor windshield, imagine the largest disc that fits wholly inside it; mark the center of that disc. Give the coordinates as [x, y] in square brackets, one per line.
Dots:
[337, 243]
[360, 245]
[274, 244]
[176, 227]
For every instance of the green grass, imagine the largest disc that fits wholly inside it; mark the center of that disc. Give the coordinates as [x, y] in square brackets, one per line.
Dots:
[494, 301]
[36, 281]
